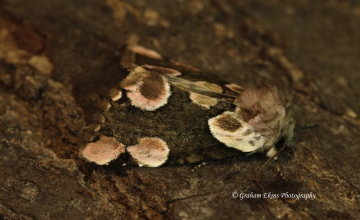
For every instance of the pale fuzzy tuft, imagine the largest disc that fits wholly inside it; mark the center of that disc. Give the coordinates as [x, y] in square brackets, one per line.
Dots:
[151, 152]
[233, 132]
[266, 110]
[103, 151]
[147, 90]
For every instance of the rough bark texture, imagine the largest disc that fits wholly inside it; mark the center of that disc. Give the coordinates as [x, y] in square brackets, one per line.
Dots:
[52, 53]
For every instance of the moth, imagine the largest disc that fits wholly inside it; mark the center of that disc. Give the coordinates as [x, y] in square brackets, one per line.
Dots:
[166, 112]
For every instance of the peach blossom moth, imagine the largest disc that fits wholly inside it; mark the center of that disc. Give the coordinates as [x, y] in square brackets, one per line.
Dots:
[166, 112]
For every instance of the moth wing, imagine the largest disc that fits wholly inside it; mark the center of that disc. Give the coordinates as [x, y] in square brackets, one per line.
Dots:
[191, 86]
[232, 131]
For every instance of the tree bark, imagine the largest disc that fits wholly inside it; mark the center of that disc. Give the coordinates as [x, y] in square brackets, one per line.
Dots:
[54, 54]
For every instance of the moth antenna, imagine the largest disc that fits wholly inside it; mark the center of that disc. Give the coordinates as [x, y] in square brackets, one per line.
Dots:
[265, 164]
[279, 170]
[222, 162]
[306, 126]
[199, 166]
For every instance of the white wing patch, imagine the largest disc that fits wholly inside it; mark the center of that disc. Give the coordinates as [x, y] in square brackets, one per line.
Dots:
[232, 131]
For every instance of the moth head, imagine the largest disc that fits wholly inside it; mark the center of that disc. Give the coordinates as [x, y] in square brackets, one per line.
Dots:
[267, 111]
[261, 118]
[151, 152]
[147, 90]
